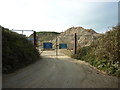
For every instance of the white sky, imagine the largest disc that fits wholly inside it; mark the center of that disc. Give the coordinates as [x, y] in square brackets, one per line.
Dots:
[58, 15]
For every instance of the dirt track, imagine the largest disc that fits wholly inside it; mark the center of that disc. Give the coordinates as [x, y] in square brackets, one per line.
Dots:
[58, 72]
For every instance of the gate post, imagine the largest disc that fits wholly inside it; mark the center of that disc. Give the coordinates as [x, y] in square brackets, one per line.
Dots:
[75, 44]
[35, 38]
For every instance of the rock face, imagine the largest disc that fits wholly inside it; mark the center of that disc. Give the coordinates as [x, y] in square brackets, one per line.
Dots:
[84, 37]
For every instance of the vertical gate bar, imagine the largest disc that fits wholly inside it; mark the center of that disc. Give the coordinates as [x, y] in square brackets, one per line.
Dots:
[75, 44]
[56, 46]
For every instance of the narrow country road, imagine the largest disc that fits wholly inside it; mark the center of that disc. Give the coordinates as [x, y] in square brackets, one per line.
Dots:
[58, 72]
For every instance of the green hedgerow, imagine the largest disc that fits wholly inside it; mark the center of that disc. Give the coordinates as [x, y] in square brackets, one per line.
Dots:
[17, 51]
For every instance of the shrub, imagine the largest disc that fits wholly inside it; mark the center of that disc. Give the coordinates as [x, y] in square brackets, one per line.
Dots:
[81, 52]
[17, 51]
[103, 53]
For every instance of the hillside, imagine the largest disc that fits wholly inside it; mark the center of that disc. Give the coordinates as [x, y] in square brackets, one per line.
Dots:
[17, 51]
[103, 53]
[45, 36]
[84, 37]
[79, 31]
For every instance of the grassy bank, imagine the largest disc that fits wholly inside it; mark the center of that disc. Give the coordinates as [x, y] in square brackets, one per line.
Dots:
[103, 53]
[17, 51]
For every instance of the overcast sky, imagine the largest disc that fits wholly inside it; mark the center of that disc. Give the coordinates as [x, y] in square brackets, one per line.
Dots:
[58, 15]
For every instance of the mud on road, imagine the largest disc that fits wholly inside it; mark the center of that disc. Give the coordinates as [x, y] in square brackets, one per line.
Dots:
[58, 72]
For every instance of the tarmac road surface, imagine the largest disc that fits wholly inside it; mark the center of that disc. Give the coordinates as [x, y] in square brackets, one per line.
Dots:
[58, 72]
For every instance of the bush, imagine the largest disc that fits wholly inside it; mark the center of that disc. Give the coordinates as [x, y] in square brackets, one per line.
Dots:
[81, 52]
[17, 51]
[103, 53]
